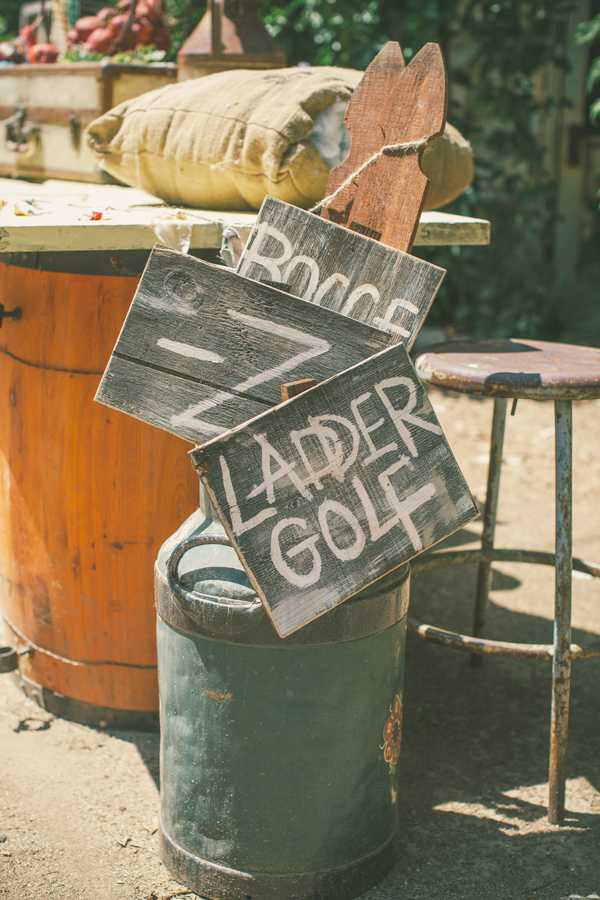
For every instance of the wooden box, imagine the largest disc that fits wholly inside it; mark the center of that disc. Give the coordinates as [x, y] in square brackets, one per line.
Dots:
[45, 108]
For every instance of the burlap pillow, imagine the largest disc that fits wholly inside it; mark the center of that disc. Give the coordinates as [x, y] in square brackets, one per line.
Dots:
[225, 141]
[448, 163]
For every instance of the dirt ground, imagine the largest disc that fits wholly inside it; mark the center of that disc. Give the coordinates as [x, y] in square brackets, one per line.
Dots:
[79, 806]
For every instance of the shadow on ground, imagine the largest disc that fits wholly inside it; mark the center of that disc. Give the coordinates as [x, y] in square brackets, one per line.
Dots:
[475, 761]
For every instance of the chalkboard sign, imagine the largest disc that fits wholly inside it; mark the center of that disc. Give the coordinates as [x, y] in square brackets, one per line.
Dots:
[338, 269]
[328, 492]
[203, 350]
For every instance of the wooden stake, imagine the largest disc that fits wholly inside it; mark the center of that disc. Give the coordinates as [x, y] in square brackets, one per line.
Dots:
[293, 388]
[394, 103]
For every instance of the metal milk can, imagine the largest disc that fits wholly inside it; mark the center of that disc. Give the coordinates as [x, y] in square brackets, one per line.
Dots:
[279, 757]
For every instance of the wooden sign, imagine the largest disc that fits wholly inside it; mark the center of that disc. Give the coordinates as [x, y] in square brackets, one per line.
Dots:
[203, 350]
[393, 105]
[338, 269]
[328, 492]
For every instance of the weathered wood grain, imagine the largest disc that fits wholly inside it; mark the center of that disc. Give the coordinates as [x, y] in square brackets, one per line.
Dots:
[203, 349]
[65, 226]
[394, 103]
[338, 269]
[158, 397]
[328, 492]
[437, 229]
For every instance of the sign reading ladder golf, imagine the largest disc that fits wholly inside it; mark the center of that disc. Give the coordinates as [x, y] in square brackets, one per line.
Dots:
[330, 491]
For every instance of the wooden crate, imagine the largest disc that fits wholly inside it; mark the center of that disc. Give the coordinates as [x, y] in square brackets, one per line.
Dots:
[59, 101]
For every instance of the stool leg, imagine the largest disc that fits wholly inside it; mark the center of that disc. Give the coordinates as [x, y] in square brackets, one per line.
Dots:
[489, 520]
[561, 663]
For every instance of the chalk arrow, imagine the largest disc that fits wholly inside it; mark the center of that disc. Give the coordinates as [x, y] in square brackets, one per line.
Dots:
[316, 346]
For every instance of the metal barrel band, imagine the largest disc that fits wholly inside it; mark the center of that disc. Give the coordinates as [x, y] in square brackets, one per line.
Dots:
[220, 615]
[481, 646]
[30, 648]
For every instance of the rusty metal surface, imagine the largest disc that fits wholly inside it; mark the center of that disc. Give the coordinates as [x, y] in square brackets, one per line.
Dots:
[561, 662]
[484, 575]
[427, 562]
[506, 649]
[535, 370]
[437, 559]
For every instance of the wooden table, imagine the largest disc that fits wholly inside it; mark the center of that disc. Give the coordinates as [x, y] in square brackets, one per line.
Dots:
[128, 213]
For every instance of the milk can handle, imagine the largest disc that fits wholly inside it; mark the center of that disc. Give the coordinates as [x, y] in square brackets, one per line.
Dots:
[220, 615]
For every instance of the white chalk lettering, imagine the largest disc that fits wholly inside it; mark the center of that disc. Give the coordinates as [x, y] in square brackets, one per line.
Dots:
[368, 289]
[334, 508]
[270, 477]
[313, 280]
[272, 264]
[328, 284]
[280, 564]
[376, 528]
[405, 507]
[399, 415]
[333, 448]
[386, 324]
[365, 431]
[317, 346]
[189, 350]
[239, 527]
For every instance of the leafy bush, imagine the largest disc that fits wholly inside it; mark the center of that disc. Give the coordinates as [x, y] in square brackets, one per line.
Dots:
[589, 33]
[9, 19]
[495, 51]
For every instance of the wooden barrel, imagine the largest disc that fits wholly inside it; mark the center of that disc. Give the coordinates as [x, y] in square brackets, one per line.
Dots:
[87, 496]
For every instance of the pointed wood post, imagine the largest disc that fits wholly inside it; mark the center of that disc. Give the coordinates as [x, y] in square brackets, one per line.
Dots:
[394, 103]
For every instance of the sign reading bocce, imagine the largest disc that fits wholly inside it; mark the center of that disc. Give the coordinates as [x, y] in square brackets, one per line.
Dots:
[203, 350]
[328, 492]
[338, 269]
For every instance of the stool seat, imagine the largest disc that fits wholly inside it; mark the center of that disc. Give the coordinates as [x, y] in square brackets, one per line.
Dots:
[515, 369]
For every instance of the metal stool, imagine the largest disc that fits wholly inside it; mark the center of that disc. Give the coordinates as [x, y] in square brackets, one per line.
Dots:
[535, 370]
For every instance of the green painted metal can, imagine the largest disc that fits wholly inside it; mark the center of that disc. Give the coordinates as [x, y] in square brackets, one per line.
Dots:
[278, 756]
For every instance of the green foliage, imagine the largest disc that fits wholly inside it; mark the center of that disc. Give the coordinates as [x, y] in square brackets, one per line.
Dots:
[589, 33]
[182, 18]
[9, 19]
[594, 75]
[494, 49]
[80, 53]
[73, 9]
[347, 33]
[139, 56]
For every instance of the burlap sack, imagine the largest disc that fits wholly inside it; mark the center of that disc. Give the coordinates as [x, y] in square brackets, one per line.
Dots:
[224, 141]
[227, 140]
[448, 163]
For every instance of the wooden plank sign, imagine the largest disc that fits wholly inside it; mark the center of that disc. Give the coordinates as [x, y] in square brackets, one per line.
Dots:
[203, 350]
[338, 269]
[361, 269]
[328, 492]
